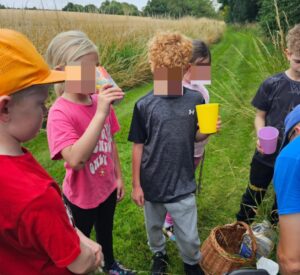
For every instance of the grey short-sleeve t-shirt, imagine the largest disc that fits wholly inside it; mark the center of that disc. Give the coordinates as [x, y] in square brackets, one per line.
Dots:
[167, 127]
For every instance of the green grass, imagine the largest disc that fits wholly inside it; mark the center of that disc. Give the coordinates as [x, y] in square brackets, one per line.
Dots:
[237, 70]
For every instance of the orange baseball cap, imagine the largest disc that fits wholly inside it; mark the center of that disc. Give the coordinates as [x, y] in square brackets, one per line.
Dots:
[21, 66]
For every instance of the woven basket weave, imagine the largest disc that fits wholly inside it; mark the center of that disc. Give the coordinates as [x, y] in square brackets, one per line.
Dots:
[220, 251]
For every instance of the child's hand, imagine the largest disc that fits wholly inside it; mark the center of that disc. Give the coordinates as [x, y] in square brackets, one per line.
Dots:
[120, 190]
[138, 196]
[95, 247]
[258, 147]
[106, 96]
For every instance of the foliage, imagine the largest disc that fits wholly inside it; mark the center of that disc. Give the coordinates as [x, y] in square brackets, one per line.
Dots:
[179, 8]
[115, 7]
[107, 7]
[2, 6]
[240, 11]
[73, 7]
[90, 8]
[287, 16]
[274, 16]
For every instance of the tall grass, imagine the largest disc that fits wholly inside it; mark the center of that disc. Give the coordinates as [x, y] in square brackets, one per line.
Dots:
[122, 40]
[235, 91]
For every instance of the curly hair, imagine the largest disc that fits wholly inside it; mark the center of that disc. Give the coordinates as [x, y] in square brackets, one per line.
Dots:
[293, 40]
[169, 50]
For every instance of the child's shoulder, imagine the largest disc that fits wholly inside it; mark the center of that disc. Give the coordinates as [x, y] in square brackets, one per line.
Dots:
[192, 94]
[275, 78]
[146, 98]
[58, 103]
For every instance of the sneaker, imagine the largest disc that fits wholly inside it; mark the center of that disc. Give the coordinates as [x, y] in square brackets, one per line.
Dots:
[118, 269]
[193, 269]
[169, 232]
[159, 263]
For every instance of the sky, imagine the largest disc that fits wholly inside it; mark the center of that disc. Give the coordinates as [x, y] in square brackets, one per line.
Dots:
[50, 4]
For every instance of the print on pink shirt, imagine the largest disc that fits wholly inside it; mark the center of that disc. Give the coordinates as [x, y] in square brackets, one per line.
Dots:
[103, 146]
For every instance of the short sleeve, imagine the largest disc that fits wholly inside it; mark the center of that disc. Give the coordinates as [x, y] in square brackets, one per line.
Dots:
[261, 99]
[115, 126]
[137, 132]
[286, 184]
[60, 133]
[45, 227]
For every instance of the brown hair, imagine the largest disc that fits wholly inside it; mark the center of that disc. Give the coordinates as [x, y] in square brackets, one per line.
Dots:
[169, 50]
[293, 40]
[200, 50]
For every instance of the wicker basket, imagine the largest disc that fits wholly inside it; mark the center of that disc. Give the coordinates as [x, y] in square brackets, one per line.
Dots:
[220, 251]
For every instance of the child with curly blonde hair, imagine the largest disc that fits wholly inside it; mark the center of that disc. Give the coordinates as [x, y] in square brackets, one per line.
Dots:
[163, 131]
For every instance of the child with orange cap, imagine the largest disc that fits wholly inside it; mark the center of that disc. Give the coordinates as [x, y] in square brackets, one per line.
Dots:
[36, 235]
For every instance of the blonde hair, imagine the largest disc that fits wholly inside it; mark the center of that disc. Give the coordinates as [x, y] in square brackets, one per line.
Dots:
[293, 40]
[169, 50]
[67, 47]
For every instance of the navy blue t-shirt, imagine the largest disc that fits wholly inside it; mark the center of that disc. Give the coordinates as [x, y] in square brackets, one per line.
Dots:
[277, 96]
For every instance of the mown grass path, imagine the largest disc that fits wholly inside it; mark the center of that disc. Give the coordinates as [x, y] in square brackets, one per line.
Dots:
[227, 161]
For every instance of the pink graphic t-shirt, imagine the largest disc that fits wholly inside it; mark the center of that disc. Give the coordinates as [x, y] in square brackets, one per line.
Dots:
[92, 184]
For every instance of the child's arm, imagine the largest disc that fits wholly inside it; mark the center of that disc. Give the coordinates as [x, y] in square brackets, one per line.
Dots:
[137, 192]
[259, 122]
[77, 154]
[118, 173]
[201, 137]
[90, 257]
[288, 252]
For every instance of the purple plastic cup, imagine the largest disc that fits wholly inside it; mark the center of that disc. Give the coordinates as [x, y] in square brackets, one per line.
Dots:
[268, 137]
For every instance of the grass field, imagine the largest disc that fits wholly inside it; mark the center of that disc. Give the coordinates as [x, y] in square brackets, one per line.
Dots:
[121, 40]
[240, 63]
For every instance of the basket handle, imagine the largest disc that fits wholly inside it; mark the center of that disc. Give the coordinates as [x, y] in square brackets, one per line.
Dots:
[253, 239]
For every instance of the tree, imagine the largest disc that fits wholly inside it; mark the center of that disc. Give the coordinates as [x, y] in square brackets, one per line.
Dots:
[129, 9]
[115, 7]
[289, 14]
[73, 7]
[179, 8]
[69, 7]
[240, 11]
[90, 8]
[156, 7]
[112, 7]
[2, 7]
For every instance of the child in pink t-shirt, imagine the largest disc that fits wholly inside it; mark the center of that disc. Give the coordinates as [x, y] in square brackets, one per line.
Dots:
[80, 130]
[201, 55]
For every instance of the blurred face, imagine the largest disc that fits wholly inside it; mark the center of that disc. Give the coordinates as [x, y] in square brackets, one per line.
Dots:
[199, 61]
[294, 61]
[26, 112]
[81, 75]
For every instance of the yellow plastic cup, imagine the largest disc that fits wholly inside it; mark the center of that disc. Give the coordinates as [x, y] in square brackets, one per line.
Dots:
[207, 115]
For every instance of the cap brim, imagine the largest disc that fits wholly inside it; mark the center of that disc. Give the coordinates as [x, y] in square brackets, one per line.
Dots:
[54, 77]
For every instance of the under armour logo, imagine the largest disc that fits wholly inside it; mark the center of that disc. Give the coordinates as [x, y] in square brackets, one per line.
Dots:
[191, 112]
